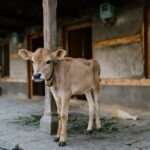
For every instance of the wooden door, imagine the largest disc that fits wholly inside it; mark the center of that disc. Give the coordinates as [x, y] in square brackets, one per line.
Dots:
[35, 88]
[78, 43]
[4, 60]
[147, 40]
[0, 61]
[78, 40]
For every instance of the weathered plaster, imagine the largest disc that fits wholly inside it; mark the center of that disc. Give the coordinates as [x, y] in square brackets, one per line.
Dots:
[121, 61]
[128, 22]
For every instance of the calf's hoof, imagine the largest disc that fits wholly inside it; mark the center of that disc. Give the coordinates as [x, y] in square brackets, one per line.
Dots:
[62, 144]
[56, 139]
[89, 132]
[99, 130]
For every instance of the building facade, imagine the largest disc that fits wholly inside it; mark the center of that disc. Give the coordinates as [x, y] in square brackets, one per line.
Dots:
[120, 44]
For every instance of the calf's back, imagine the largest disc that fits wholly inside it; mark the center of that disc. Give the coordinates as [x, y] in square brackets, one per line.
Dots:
[77, 75]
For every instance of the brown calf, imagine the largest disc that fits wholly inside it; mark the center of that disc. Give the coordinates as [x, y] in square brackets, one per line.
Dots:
[66, 77]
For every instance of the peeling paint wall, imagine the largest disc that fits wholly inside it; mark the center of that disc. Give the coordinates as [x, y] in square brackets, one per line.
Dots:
[18, 67]
[129, 22]
[120, 61]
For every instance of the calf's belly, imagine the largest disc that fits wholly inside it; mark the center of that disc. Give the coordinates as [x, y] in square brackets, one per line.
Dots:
[80, 89]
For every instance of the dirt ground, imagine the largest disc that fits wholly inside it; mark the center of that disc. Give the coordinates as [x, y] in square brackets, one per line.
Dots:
[19, 129]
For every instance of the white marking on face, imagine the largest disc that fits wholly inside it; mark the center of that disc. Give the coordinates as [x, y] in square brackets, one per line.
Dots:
[41, 68]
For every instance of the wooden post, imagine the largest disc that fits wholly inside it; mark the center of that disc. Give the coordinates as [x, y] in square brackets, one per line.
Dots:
[48, 122]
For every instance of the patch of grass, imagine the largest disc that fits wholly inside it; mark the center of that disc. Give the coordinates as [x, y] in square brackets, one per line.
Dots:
[78, 123]
[108, 125]
[31, 120]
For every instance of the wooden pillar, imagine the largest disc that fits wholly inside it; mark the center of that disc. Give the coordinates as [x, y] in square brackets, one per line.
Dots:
[48, 122]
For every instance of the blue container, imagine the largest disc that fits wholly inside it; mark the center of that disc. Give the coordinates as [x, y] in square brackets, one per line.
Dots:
[106, 11]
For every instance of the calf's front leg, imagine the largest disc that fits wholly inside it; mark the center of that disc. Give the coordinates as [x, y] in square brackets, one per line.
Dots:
[58, 104]
[57, 138]
[64, 119]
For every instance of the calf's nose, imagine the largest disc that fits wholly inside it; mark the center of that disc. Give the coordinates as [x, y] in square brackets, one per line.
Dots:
[37, 75]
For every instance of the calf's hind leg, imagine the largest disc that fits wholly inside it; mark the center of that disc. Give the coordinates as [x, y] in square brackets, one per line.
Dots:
[91, 111]
[97, 108]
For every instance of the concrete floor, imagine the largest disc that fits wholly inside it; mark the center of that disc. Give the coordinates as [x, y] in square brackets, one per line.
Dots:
[131, 135]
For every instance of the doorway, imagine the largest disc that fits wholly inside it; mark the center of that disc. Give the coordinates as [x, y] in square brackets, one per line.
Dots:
[4, 60]
[35, 88]
[78, 43]
[147, 44]
[78, 40]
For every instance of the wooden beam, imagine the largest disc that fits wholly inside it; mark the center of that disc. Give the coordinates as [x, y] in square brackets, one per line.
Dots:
[118, 41]
[78, 26]
[16, 80]
[126, 82]
[50, 26]
[48, 123]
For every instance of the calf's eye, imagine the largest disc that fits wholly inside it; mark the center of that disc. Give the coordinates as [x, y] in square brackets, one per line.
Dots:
[48, 61]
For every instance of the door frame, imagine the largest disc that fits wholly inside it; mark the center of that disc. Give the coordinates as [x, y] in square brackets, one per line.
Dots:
[29, 65]
[146, 38]
[71, 27]
[6, 41]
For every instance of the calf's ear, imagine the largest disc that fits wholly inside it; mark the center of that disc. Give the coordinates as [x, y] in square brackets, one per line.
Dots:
[60, 53]
[25, 54]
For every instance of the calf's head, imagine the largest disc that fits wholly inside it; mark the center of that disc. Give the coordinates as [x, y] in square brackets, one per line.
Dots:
[42, 61]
